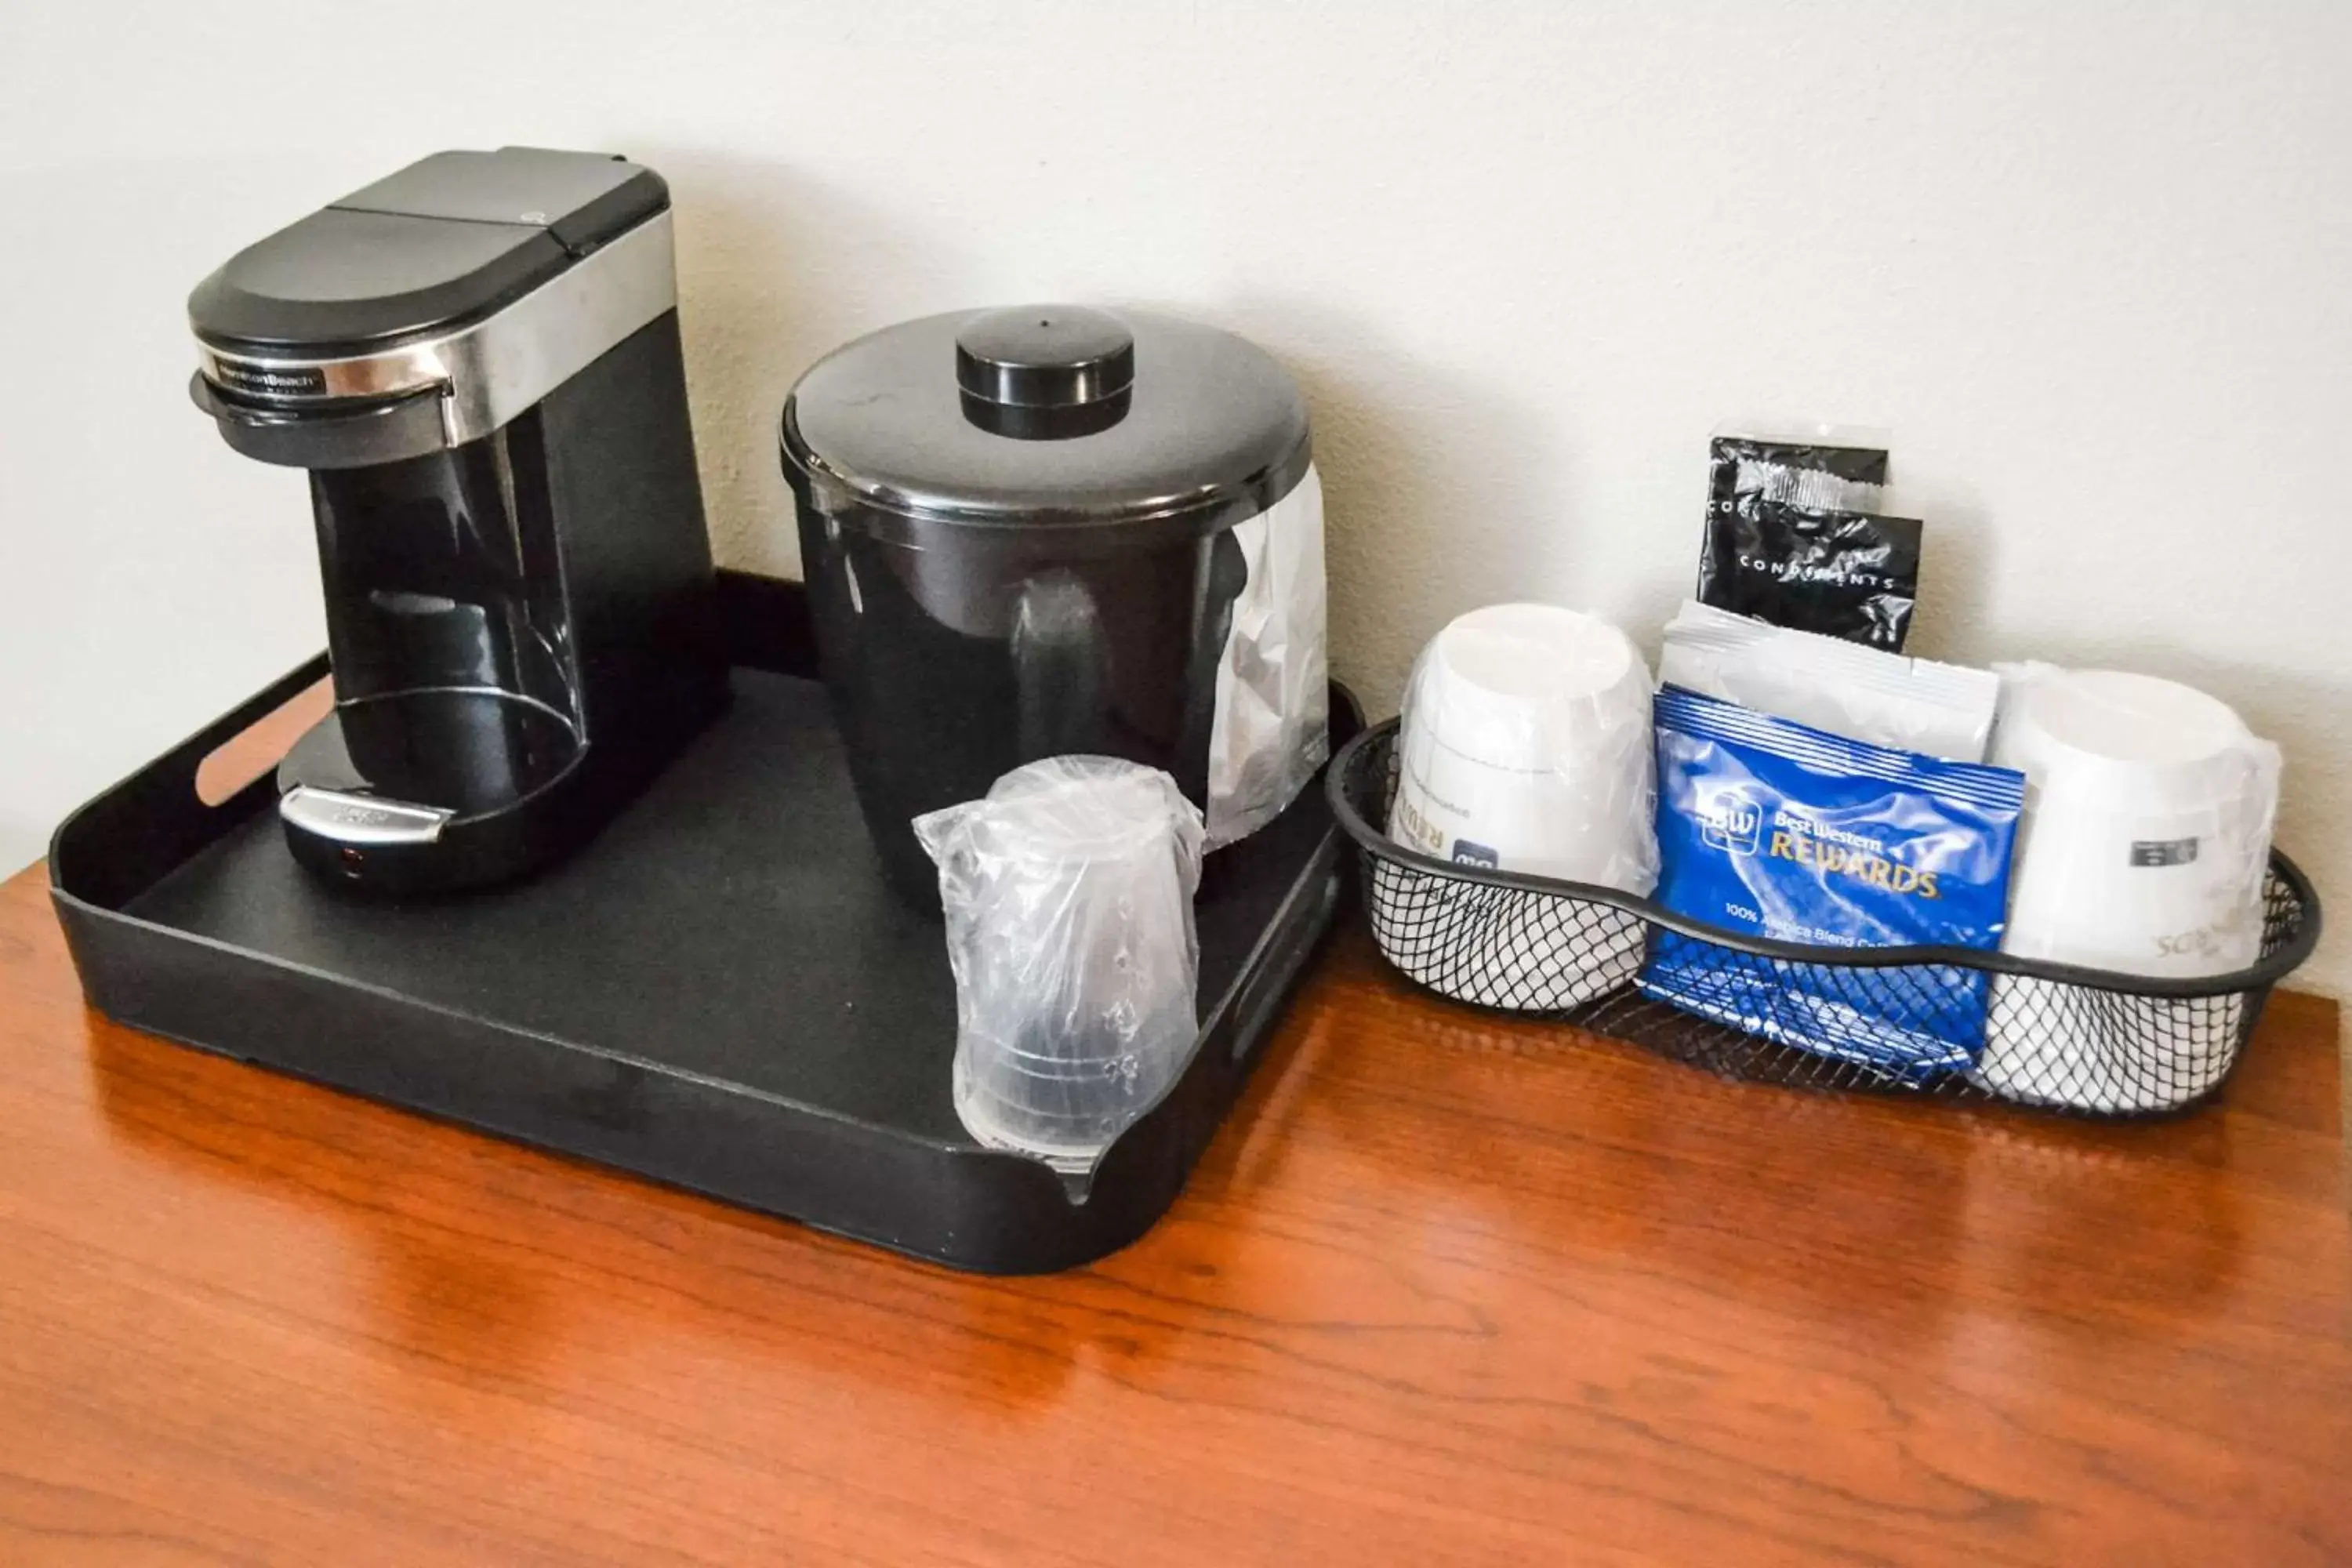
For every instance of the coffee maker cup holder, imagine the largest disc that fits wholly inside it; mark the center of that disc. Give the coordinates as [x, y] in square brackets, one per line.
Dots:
[717, 991]
[2053, 1037]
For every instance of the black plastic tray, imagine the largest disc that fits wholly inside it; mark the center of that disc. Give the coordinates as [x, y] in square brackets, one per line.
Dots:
[717, 992]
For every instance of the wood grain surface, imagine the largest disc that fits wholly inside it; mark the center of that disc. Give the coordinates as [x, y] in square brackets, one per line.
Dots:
[1447, 1290]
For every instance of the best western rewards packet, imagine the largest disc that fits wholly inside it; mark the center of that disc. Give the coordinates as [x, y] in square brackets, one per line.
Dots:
[1771, 827]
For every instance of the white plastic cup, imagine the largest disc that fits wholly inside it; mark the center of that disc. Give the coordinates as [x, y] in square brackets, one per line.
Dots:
[2143, 850]
[1526, 747]
[2147, 825]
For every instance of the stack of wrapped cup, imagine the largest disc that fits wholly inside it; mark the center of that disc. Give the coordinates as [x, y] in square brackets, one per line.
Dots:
[2144, 850]
[1525, 747]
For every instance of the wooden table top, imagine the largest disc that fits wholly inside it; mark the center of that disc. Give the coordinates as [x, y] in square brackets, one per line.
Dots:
[1447, 1290]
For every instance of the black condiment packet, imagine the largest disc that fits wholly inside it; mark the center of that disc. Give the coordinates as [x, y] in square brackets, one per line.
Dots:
[1789, 540]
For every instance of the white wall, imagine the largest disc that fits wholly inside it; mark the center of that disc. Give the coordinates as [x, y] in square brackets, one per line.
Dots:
[2093, 263]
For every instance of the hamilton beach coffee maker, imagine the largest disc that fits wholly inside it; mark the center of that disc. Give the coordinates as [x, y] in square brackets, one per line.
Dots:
[478, 362]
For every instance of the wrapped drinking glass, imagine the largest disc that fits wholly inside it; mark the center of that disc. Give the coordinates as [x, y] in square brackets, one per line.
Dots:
[1068, 895]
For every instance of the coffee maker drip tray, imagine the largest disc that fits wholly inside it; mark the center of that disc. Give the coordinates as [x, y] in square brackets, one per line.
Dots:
[717, 991]
[392, 786]
[457, 749]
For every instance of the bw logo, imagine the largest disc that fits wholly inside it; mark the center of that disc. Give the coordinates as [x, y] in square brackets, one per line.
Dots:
[1733, 824]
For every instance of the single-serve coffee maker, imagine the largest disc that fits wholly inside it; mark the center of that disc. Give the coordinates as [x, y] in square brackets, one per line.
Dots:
[478, 362]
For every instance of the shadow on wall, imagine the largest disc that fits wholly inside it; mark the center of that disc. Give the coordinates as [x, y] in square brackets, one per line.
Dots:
[776, 270]
[1958, 561]
[1445, 496]
[1430, 479]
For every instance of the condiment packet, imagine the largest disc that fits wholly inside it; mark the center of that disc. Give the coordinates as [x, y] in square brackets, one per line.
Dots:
[1794, 536]
[1776, 829]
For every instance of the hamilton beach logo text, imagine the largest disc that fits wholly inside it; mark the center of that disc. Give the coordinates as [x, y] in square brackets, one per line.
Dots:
[297, 382]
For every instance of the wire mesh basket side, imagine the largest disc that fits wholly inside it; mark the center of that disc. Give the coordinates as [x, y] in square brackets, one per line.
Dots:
[1944, 1029]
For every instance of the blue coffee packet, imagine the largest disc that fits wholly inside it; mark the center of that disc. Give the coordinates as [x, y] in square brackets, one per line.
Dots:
[1770, 827]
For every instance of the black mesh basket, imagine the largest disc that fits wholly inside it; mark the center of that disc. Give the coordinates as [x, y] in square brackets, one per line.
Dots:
[2047, 1035]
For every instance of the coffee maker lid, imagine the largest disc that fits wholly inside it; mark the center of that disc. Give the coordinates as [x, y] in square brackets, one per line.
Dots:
[1049, 414]
[445, 241]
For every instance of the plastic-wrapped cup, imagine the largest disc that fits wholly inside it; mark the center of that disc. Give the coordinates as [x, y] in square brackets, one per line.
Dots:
[1068, 1113]
[2143, 850]
[1068, 895]
[1526, 747]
